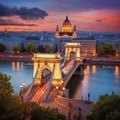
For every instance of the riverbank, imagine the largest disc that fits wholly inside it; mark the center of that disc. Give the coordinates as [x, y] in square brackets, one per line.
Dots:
[102, 61]
[88, 61]
[24, 58]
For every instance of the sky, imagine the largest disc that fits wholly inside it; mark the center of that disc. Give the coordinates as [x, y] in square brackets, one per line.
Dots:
[45, 15]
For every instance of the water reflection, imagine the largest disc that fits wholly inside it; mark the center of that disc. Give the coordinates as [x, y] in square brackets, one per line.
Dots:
[98, 81]
[93, 69]
[18, 72]
[116, 72]
[80, 93]
[22, 65]
[13, 66]
[17, 66]
[86, 74]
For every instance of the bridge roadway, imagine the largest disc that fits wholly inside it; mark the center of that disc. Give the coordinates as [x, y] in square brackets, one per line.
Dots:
[70, 73]
[37, 93]
[69, 107]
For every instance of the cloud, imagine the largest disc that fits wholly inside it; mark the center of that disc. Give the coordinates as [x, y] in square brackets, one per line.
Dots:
[23, 12]
[84, 5]
[6, 11]
[98, 20]
[13, 23]
[30, 14]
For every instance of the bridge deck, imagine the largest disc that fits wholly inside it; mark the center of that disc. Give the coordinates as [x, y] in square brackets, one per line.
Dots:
[70, 73]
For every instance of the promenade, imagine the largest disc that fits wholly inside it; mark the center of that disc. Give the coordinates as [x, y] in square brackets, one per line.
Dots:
[89, 60]
[20, 58]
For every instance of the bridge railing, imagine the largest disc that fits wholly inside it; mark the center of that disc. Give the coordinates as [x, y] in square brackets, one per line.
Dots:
[74, 100]
[68, 109]
[67, 77]
[49, 86]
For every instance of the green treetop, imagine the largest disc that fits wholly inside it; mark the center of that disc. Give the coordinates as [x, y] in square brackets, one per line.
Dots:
[106, 108]
[106, 49]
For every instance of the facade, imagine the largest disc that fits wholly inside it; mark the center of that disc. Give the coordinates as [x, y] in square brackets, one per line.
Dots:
[48, 42]
[67, 30]
[32, 39]
[37, 41]
[88, 46]
[10, 42]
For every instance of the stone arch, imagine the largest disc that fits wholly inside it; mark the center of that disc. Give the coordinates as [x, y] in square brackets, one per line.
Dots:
[41, 70]
[72, 47]
[72, 54]
[46, 67]
[49, 61]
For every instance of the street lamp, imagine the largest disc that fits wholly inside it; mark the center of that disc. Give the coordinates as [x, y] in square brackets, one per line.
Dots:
[57, 87]
[62, 82]
[63, 88]
[23, 84]
[60, 90]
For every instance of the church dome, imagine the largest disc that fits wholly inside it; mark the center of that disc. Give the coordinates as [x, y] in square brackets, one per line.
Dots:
[67, 26]
[66, 22]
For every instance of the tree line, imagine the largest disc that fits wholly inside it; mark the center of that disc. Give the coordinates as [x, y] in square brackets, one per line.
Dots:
[30, 48]
[103, 49]
[106, 49]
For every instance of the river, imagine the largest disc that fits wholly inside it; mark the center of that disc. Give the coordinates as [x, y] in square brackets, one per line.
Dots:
[97, 80]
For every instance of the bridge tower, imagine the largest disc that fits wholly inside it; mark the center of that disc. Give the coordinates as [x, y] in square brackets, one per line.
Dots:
[72, 47]
[52, 63]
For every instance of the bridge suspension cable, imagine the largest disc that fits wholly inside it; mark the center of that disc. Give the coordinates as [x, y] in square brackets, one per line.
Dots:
[29, 90]
[64, 59]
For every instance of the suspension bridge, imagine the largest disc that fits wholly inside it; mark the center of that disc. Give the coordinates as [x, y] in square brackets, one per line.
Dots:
[51, 74]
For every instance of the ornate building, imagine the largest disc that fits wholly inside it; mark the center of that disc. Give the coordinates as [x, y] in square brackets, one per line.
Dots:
[67, 31]
[88, 46]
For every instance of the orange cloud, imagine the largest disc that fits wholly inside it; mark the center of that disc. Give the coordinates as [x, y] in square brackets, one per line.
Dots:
[85, 21]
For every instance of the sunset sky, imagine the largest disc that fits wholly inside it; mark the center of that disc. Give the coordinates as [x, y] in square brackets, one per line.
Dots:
[45, 15]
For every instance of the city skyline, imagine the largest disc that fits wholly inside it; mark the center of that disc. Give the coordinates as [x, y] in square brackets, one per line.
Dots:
[39, 15]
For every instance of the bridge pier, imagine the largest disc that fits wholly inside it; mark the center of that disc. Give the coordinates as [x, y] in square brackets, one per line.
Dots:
[50, 62]
[72, 47]
[79, 71]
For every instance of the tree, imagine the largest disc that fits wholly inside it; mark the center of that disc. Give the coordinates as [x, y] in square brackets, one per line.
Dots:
[8, 100]
[106, 49]
[13, 108]
[56, 49]
[2, 48]
[31, 48]
[17, 49]
[41, 49]
[41, 113]
[49, 49]
[106, 108]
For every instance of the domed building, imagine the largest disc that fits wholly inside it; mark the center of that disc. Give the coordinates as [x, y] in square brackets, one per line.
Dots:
[67, 31]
